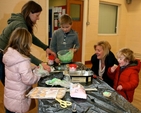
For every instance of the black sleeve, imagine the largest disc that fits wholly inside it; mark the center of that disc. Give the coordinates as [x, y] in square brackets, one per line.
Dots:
[113, 59]
[38, 43]
[35, 60]
[95, 64]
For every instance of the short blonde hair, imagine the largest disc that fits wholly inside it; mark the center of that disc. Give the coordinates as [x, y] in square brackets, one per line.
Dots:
[21, 41]
[105, 46]
[65, 19]
[127, 53]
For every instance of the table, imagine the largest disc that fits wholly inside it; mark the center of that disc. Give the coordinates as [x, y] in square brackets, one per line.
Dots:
[95, 102]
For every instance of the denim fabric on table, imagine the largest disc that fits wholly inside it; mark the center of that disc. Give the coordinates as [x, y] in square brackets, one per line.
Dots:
[96, 102]
[2, 72]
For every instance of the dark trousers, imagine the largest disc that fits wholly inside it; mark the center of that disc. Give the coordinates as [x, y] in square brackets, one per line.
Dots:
[2, 72]
[7, 111]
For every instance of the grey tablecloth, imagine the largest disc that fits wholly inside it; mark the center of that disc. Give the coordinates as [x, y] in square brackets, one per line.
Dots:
[95, 102]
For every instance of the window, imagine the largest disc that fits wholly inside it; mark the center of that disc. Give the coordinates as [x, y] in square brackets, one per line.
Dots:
[75, 12]
[107, 19]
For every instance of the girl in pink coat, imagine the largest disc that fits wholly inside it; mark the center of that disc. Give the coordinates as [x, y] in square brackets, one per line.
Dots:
[19, 76]
[126, 74]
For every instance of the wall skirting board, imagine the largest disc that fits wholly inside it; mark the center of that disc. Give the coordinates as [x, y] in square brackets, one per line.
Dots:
[88, 62]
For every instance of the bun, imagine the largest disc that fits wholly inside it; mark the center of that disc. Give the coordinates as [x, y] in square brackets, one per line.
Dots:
[61, 93]
[115, 65]
[106, 94]
[47, 93]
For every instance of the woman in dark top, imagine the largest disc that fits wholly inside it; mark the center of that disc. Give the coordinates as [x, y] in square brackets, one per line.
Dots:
[102, 60]
[30, 13]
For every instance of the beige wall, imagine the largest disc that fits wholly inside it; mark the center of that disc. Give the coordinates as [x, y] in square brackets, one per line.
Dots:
[133, 27]
[129, 25]
[117, 41]
[57, 3]
[41, 31]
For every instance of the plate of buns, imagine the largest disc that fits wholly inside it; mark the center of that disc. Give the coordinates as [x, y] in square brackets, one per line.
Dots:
[47, 93]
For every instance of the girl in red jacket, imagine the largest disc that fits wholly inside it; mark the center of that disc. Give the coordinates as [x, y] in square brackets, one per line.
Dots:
[126, 74]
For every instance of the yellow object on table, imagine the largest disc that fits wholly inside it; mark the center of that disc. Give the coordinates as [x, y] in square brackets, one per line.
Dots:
[63, 103]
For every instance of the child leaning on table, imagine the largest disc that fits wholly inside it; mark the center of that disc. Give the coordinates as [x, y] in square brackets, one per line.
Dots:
[19, 76]
[126, 74]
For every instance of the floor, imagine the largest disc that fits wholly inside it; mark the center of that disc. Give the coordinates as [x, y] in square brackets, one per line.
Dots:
[136, 102]
[2, 110]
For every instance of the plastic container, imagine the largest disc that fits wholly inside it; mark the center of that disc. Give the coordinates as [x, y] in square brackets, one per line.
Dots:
[72, 67]
[65, 56]
[51, 59]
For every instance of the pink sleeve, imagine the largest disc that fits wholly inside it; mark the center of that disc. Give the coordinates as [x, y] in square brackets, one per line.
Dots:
[26, 73]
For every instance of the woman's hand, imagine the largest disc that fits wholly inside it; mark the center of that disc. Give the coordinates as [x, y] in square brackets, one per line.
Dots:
[46, 67]
[49, 51]
[100, 77]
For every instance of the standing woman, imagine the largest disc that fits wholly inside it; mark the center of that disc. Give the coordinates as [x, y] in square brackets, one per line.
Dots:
[102, 60]
[30, 13]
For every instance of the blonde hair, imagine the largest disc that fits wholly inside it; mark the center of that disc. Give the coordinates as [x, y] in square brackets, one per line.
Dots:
[127, 53]
[105, 46]
[65, 19]
[21, 41]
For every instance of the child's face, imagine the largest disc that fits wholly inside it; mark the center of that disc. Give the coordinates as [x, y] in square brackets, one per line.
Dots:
[122, 61]
[66, 28]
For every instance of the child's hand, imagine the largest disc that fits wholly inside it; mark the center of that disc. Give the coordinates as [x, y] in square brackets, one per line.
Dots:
[57, 60]
[73, 50]
[113, 68]
[46, 67]
[33, 66]
[119, 87]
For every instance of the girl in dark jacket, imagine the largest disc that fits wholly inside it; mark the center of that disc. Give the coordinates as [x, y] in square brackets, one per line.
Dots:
[126, 74]
[102, 60]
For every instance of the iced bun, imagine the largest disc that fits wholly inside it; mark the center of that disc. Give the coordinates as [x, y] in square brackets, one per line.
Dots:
[106, 94]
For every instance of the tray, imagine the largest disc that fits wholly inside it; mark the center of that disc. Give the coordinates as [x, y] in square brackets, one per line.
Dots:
[47, 93]
[81, 76]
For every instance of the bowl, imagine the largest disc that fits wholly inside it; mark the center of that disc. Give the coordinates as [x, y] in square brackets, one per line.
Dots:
[65, 56]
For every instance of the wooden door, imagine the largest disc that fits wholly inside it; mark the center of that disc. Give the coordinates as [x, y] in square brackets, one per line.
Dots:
[75, 10]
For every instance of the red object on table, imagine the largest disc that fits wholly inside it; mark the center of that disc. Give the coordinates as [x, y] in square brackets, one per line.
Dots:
[51, 57]
[94, 76]
[73, 65]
